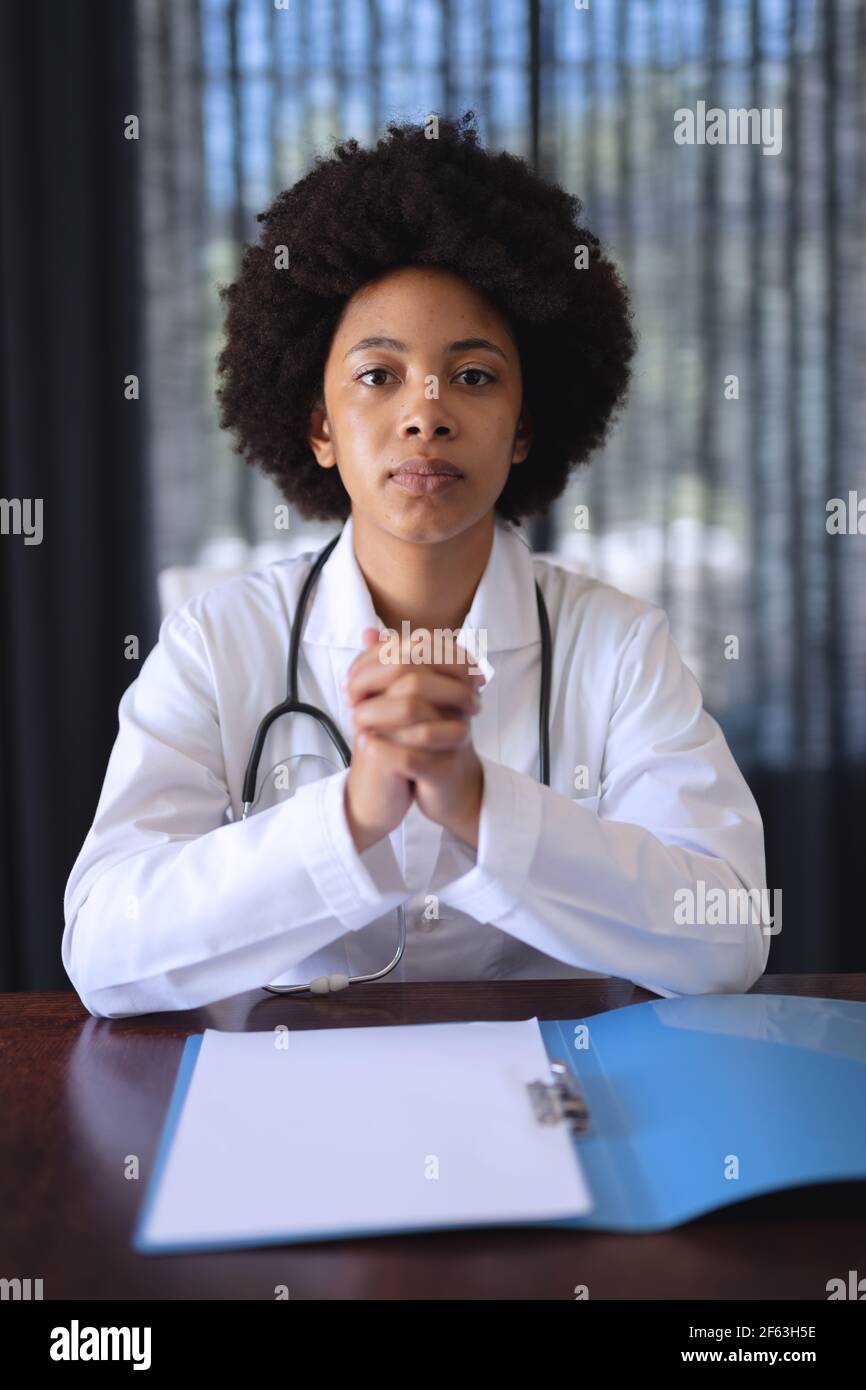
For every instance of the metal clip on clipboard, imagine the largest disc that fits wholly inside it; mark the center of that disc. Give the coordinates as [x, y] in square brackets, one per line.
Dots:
[560, 1099]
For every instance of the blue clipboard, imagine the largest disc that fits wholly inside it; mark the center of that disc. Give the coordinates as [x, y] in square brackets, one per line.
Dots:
[689, 1104]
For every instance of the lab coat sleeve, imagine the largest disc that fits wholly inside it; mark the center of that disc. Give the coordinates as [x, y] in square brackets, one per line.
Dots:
[606, 888]
[168, 905]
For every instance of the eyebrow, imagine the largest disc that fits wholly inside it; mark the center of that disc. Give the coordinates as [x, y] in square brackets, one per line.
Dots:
[461, 345]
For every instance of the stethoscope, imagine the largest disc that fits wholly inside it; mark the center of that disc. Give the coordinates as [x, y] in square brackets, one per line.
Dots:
[326, 984]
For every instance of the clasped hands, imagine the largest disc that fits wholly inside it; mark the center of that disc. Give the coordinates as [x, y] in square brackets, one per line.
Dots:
[412, 742]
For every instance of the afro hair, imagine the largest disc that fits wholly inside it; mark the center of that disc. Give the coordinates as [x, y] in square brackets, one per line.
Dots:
[415, 200]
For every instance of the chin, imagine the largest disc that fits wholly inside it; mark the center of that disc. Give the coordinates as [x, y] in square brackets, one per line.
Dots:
[422, 526]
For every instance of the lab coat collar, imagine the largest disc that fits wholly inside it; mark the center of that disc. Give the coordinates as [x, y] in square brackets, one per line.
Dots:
[504, 603]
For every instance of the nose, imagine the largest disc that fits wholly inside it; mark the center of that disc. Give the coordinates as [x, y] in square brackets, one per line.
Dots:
[427, 423]
[419, 431]
[423, 417]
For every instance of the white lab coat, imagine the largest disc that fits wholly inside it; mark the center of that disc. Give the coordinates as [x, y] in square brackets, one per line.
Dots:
[175, 902]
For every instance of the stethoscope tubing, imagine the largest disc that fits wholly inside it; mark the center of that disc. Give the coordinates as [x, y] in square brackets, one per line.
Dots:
[326, 984]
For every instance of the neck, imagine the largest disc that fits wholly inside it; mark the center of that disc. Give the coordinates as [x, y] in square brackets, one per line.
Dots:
[428, 585]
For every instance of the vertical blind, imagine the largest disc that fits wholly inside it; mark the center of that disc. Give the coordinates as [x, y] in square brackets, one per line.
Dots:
[711, 494]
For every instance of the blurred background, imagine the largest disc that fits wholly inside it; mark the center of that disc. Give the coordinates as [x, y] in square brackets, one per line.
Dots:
[740, 264]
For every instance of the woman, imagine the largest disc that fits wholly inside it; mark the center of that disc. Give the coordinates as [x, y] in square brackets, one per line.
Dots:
[423, 345]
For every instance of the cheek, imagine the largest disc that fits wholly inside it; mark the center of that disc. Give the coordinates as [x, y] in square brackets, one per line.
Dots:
[496, 414]
[497, 426]
[364, 416]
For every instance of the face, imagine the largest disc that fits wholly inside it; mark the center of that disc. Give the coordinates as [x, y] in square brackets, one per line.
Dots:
[421, 366]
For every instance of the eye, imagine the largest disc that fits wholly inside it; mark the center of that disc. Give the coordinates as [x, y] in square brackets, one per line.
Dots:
[371, 371]
[478, 371]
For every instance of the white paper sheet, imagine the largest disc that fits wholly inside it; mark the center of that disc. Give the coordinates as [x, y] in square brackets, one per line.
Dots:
[363, 1130]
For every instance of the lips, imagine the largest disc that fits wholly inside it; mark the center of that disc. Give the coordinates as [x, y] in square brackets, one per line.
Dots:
[423, 467]
[425, 477]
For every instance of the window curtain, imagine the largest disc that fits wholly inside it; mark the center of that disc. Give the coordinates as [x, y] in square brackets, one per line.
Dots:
[71, 313]
[746, 266]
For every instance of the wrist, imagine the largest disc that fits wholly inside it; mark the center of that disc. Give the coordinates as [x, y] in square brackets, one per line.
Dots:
[363, 836]
[466, 827]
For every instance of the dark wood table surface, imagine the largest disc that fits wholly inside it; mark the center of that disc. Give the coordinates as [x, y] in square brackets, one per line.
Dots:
[81, 1094]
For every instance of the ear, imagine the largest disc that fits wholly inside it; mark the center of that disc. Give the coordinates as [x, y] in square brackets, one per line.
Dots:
[522, 439]
[319, 438]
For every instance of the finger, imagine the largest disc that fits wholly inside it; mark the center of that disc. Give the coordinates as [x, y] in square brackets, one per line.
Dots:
[410, 652]
[384, 759]
[443, 692]
[382, 712]
[373, 673]
[388, 758]
[370, 654]
[434, 734]
[369, 638]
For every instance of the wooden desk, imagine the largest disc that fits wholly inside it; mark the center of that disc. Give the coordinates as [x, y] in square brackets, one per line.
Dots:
[79, 1094]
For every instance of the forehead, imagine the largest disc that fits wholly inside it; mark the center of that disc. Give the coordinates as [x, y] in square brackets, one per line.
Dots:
[417, 294]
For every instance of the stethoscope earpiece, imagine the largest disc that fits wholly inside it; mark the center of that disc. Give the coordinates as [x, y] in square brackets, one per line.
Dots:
[328, 984]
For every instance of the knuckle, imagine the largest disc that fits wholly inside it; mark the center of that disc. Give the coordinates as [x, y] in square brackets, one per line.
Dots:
[410, 684]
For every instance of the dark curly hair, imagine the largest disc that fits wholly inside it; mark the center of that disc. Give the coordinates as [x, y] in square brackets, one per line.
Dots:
[428, 202]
